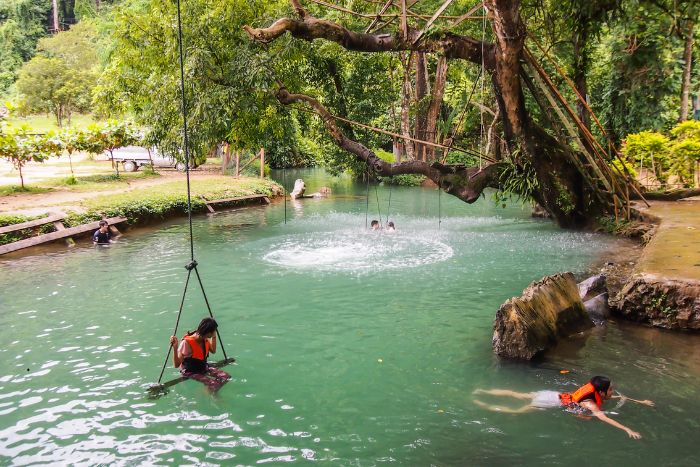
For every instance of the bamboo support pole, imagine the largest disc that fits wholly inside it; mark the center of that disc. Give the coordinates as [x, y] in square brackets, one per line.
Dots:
[571, 130]
[628, 177]
[591, 182]
[600, 160]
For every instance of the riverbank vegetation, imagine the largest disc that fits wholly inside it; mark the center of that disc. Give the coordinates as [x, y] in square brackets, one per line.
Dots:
[148, 204]
[432, 94]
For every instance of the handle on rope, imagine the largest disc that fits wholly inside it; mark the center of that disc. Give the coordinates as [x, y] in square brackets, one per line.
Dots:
[191, 265]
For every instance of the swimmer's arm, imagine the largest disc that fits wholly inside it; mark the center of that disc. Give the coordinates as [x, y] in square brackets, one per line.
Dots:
[644, 402]
[177, 359]
[604, 418]
[212, 344]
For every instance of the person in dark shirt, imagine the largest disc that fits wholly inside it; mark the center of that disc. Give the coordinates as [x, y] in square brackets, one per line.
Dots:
[102, 236]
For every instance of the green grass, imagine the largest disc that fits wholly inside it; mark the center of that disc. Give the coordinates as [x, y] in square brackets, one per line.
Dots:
[170, 199]
[44, 123]
[7, 190]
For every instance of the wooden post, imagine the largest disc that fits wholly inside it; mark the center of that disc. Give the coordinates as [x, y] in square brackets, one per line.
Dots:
[238, 163]
[262, 162]
[225, 157]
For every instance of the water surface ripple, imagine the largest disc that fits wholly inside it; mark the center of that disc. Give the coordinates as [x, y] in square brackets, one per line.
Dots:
[353, 347]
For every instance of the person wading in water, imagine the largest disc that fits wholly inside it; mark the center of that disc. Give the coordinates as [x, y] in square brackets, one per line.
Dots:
[586, 400]
[192, 352]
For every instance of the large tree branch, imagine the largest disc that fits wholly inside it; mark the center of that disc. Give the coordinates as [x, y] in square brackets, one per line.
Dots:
[310, 28]
[466, 183]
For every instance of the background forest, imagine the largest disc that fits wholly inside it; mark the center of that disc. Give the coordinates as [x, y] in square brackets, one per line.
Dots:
[634, 60]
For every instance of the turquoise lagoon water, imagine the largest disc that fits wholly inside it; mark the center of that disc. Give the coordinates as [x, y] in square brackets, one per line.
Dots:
[353, 347]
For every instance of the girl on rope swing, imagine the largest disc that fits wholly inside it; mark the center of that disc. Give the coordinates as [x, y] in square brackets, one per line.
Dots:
[191, 355]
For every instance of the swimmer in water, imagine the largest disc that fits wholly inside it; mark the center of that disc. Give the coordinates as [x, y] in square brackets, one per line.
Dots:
[390, 227]
[586, 400]
[374, 225]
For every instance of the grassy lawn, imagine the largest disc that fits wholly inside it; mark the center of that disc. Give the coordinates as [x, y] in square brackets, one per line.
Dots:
[211, 188]
[44, 123]
[88, 183]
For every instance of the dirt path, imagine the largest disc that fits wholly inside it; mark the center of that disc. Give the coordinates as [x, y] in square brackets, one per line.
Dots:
[674, 252]
[64, 200]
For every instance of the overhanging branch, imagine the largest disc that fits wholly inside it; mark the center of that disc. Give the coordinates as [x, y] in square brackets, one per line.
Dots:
[310, 28]
[466, 183]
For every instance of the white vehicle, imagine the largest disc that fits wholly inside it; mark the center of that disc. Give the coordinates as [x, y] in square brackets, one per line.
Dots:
[133, 157]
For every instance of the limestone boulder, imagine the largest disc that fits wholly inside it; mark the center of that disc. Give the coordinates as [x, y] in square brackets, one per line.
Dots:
[592, 287]
[660, 302]
[598, 308]
[549, 309]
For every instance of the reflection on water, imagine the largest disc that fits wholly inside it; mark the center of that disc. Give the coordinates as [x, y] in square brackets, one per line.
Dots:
[353, 347]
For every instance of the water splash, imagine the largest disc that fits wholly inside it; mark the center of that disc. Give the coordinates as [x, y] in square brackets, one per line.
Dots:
[355, 251]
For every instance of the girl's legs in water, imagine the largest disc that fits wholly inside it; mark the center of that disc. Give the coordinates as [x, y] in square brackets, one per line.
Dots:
[213, 379]
[505, 393]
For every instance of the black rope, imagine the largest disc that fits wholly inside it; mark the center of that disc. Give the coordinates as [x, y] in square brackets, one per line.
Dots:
[439, 207]
[389, 205]
[367, 198]
[206, 300]
[177, 323]
[192, 265]
[284, 187]
[379, 211]
[184, 127]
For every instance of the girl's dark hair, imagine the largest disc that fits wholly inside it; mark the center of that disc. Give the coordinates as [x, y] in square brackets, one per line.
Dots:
[600, 383]
[206, 326]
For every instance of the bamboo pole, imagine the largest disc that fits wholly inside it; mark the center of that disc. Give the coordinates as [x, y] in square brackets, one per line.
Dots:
[628, 177]
[571, 130]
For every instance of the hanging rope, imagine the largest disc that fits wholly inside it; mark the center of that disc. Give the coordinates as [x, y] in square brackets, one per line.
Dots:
[483, 79]
[192, 265]
[439, 208]
[367, 198]
[284, 188]
[379, 212]
[388, 208]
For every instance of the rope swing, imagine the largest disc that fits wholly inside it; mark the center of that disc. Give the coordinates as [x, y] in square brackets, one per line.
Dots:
[192, 265]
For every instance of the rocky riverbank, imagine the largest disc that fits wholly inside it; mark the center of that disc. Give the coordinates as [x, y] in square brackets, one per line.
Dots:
[663, 287]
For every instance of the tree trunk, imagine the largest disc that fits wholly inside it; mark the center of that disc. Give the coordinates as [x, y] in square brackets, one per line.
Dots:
[552, 177]
[687, 69]
[420, 100]
[70, 163]
[405, 109]
[435, 104]
[21, 177]
[580, 66]
[54, 16]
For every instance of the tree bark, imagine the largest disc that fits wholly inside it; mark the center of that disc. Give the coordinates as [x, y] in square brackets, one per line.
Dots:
[434, 106]
[466, 183]
[580, 65]
[555, 182]
[422, 80]
[687, 69]
[54, 16]
[405, 108]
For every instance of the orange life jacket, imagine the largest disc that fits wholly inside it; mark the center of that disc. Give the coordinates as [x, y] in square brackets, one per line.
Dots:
[197, 362]
[582, 392]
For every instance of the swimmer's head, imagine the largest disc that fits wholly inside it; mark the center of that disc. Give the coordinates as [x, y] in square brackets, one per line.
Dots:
[374, 225]
[207, 327]
[391, 225]
[602, 385]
